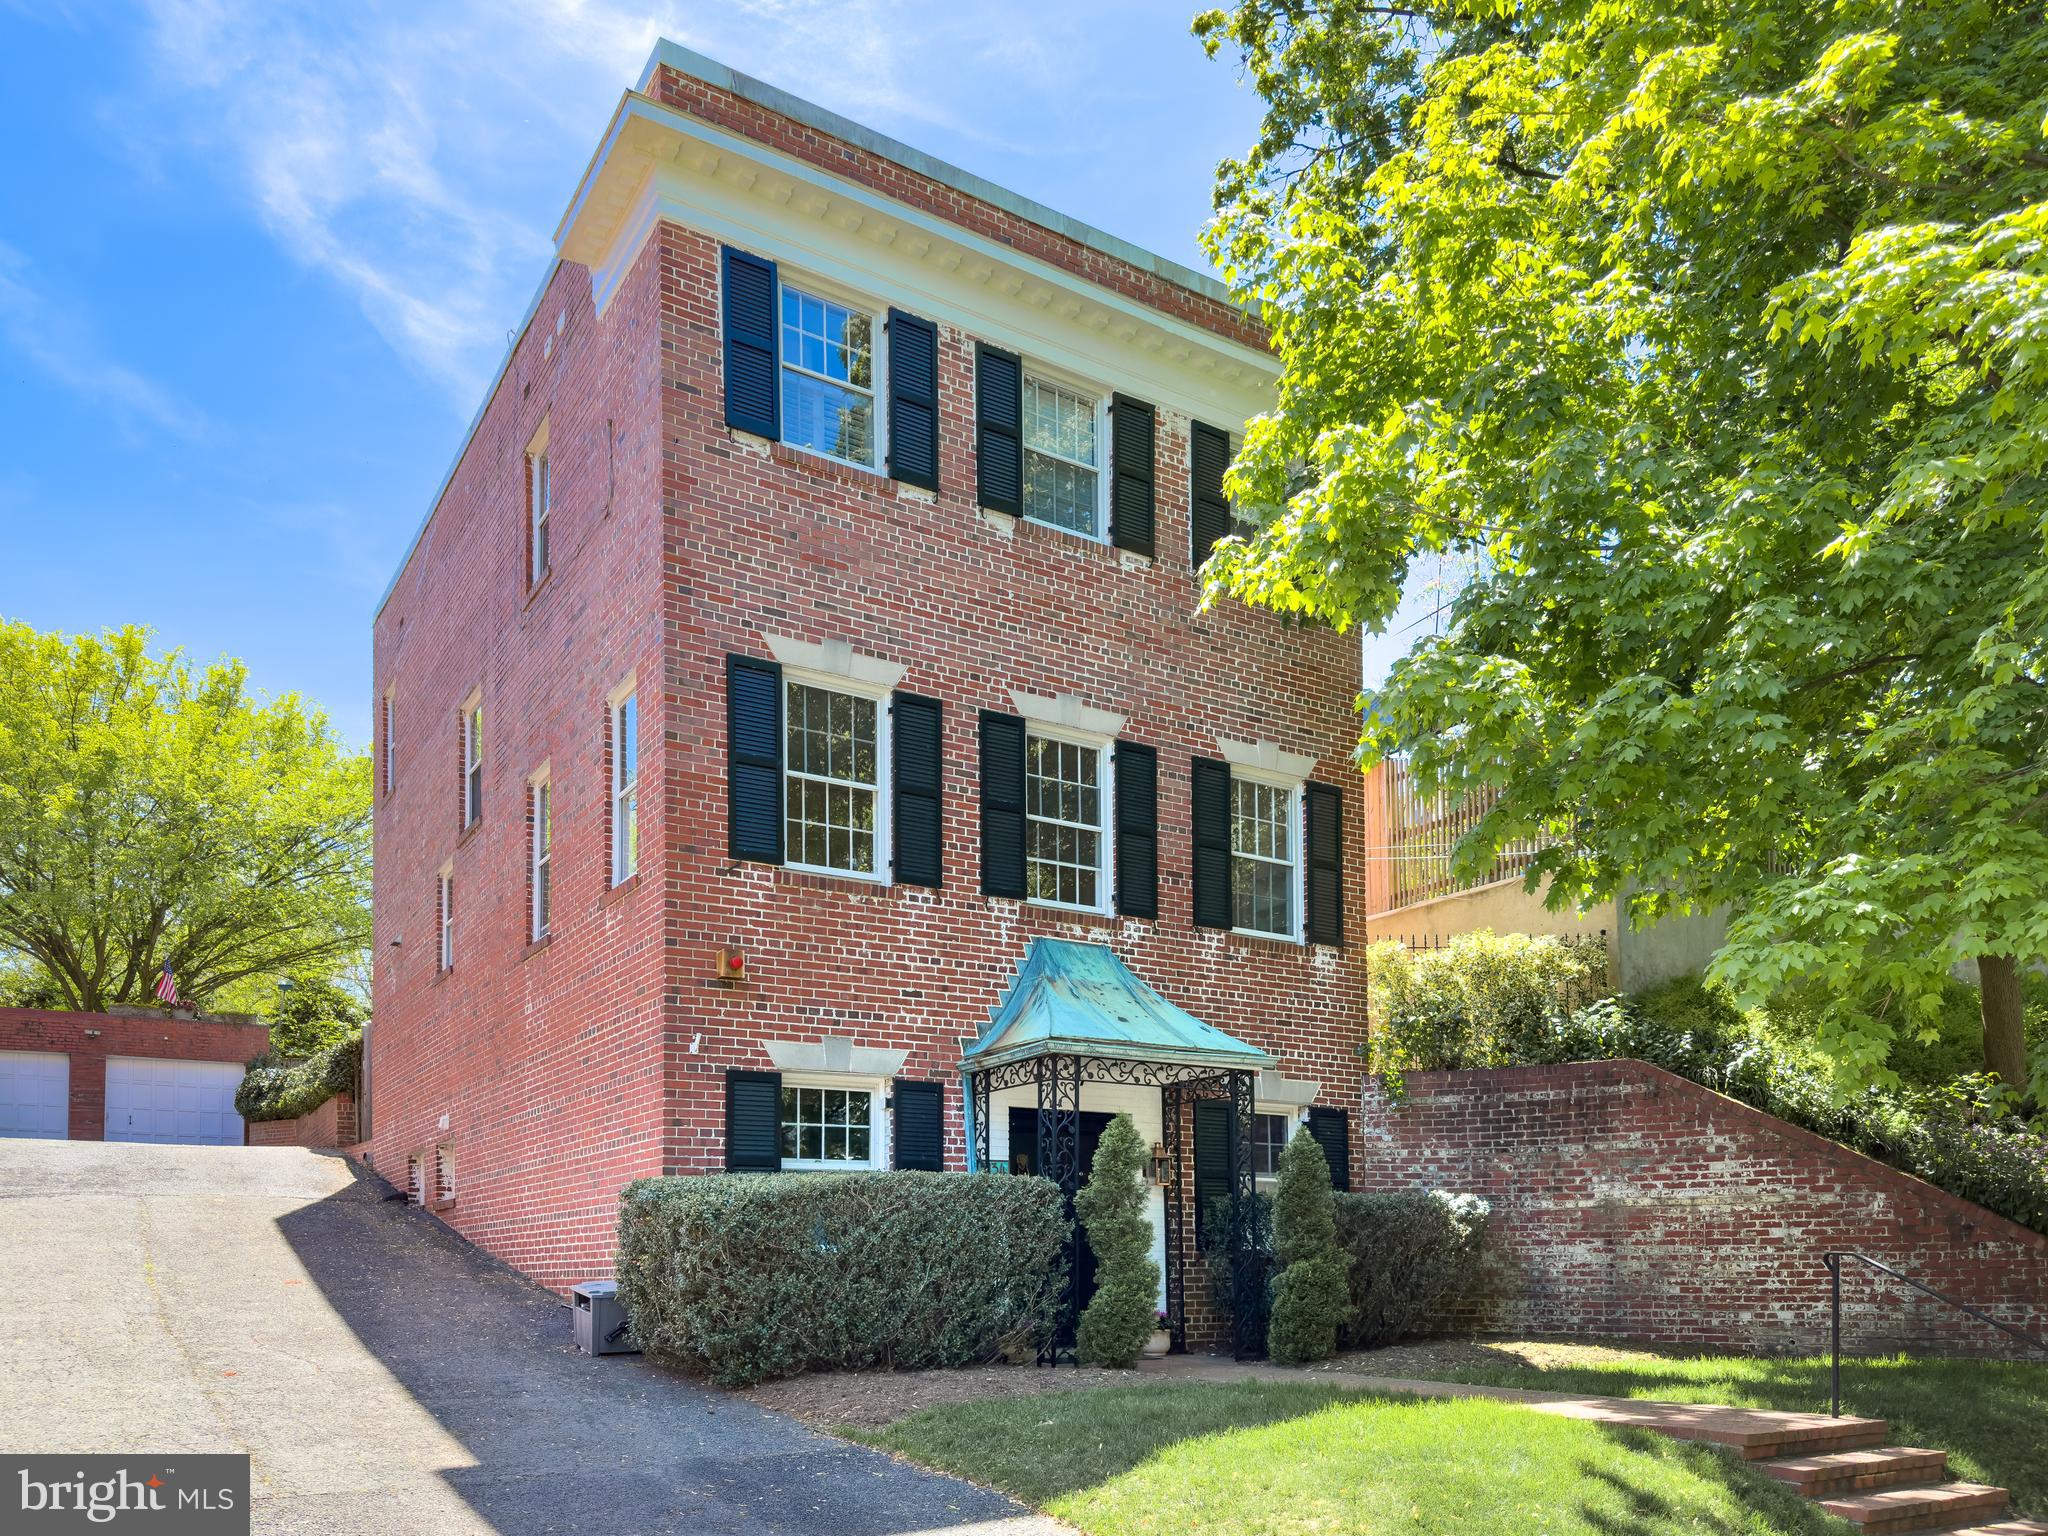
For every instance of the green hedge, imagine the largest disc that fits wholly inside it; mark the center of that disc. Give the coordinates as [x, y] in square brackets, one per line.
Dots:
[751, 1276]
[1409, 1256]
[1406, 1256]
[285, 1092]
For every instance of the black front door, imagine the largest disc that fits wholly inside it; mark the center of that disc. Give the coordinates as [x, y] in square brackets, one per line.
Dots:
[1024, 1159]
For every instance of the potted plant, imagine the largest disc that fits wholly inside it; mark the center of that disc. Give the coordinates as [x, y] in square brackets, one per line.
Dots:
[1161, 1341]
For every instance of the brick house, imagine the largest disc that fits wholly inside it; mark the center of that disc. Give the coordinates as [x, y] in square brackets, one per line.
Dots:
[798, 743]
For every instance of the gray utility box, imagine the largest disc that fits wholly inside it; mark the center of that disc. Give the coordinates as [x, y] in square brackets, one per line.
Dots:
[600, 1320]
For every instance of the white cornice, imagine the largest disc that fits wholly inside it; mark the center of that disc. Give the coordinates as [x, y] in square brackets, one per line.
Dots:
[657, 163]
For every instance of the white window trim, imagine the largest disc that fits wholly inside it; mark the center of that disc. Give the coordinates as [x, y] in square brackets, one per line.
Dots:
[1103, 449]
[540, 856]
[1297, 819]
[615, 727]
[1295, 1116]
[878, 384]
[444, 918]
[879, 1151]
[885, 703]
[1105, 749]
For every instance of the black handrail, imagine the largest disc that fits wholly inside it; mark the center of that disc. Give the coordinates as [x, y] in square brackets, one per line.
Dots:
[1833, 1260]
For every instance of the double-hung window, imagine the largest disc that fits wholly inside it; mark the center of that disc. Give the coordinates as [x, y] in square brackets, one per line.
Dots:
[446, 920]
[540, 496]
[1265, 858]
[1066, 819]
[1269, 1140]
[543, 857]
[473, 763]
[827, 1127]
[625, 787]
[1062, 457]
[834, 766]
[828, 377]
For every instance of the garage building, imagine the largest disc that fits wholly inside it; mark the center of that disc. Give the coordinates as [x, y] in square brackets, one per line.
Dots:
[137, 1075]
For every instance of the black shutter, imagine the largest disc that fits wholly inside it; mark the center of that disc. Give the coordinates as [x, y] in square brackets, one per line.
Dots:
[1324, 840]
[1213, 1119]
[1002, 805]
[1130, 504]
[1332, 1131]
[1137, 830]
[753, 1121]
[1212, 843]
[920, 1125]
[1208, 457]
[916, 754]
[999, 429]
[753, 746]
[913, 400]
[750, 392]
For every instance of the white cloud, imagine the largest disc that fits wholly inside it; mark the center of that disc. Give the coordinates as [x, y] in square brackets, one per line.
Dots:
[58, 341]
[420, 156]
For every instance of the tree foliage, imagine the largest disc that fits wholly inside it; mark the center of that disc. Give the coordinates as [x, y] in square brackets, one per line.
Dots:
[151, 814]
[1111, 1206]
[1716, 332]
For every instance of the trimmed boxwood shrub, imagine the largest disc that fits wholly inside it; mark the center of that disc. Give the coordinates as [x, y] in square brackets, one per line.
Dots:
[1408, 1255]
[1111, 1208]
[1310, 1300]
[751, 1276]
[269, 1092]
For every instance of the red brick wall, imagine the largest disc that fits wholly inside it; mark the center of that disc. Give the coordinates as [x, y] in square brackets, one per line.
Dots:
[90, 1038]
[544, 1059]
[566, 1071]
[333, 1124]
[1630, 1203]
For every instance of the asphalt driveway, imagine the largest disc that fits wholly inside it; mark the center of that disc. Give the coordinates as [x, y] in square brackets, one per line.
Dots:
[382, 1375]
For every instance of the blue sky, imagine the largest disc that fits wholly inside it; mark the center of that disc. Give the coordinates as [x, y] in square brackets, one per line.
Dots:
[258, 260]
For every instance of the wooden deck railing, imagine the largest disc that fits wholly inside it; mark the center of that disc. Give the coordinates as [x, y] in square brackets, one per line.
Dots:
[1411, 835]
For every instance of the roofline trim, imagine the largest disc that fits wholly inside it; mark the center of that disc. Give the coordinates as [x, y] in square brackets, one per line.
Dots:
[709, 71]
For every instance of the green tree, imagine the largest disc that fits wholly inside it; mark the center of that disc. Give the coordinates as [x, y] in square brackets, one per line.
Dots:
[153, 815]
[1111, 1205]
[1712, 333]
[1312, 1291]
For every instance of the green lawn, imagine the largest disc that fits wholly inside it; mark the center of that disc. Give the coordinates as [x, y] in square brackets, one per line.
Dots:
[1283, 1459]
[1990, 1416]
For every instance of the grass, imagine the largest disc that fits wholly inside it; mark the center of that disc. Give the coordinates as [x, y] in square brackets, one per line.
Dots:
[1990, 1416]
[1281, 1459]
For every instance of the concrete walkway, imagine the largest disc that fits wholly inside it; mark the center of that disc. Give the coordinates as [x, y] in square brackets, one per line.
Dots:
[382, 1375]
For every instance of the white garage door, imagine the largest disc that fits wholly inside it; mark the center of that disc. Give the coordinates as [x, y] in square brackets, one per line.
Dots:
[35, 1094]
[192, 1102]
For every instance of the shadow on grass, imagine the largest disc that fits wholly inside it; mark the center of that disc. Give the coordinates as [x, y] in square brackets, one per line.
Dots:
[1199, 1456]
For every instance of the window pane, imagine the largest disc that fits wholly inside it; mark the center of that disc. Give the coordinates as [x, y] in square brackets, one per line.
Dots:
[1263, 851]
[833, 774]
[1063, 822]
[828, 418]
[1059, 494]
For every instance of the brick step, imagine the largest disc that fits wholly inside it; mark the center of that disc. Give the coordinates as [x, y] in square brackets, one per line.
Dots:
[1854, 1471]
[1755, 1434]
[1936, 1507]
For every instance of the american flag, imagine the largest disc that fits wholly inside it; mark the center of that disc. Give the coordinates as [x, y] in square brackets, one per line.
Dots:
[167, 989]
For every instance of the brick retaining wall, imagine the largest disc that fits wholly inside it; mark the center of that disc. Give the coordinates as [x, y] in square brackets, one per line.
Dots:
[1631, 1203]
[333, 1124]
